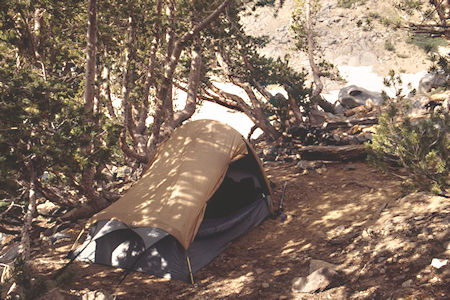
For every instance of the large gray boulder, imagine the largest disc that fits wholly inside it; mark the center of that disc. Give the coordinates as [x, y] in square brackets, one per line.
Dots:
[353, 96]
[432, 80]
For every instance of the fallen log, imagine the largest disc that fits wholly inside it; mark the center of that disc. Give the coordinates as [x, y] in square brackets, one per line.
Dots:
[350, 123]
[357, 110]
[333, 153]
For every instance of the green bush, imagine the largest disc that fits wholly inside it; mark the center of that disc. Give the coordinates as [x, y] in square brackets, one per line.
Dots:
[389, 46]
[427, 43]
[421, 147]
[349, 3]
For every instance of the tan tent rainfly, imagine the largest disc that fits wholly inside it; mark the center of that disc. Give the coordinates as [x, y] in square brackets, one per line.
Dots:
[187, 171]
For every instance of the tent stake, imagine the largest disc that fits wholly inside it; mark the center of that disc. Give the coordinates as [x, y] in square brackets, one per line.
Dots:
[190, 270]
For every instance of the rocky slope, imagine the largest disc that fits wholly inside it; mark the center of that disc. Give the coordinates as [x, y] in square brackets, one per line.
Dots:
[363, 35]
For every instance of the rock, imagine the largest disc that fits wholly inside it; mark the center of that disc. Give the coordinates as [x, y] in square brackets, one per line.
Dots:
[368, 58]
[58, 236]
[270, 153]
[438, 263]
[122, 173]
[46, 208]
[96, 295]
[321, 170]
[309, 165]
[349, 167]
[259, 271]
[380, 259]
[57, 294]
[265, 285]
[353, 96]
[317, 281]
[430, 81]
[340, 228]
[362, 138]
[407, 283]
[316, 264]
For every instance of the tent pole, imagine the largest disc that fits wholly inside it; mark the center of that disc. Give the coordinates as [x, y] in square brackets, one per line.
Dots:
[190, 269]
[75, 244]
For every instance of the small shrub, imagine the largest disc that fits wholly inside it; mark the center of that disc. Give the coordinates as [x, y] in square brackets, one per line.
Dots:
[389, 46]
[427, 43]
[349, 3]
[409, 6]
[421, 147]
[374, 15]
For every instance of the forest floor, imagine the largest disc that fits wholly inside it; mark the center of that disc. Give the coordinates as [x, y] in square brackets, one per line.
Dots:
[383, 245]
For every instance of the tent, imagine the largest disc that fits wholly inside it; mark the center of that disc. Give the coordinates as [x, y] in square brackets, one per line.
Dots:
[205, 188]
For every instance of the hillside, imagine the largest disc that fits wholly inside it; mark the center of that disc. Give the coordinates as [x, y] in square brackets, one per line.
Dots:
[364, 35]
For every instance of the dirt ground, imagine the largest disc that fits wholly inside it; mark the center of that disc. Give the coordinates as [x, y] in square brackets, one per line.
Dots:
[350, 215]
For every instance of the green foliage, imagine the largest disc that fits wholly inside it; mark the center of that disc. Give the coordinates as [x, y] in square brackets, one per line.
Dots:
[349, 3]
[41, 86]
[427, 43]
[247, 65]
[389, 46]
[330, 71]
[420, 146]
[395, 23]
[298, 27]
[409, 6]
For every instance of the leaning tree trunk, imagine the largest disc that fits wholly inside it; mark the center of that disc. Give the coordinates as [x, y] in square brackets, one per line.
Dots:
[325, 105]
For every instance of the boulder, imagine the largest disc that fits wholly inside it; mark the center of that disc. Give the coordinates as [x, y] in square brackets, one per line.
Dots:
[317, 281]
[122, 173]
[309, 165]
[432, 80]
[47, 208]
[316, 264]
[353, 96]
[97, 295]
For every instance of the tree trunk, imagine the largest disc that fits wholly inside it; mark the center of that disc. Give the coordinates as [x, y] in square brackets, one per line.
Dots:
[192, 90]
[254, 111]
[163, 95]
[440, 7]
[87, 180]
[310, 42]
[26, 229]
[89, 91]
[325, 105]
[350, 123]
[107, 93]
